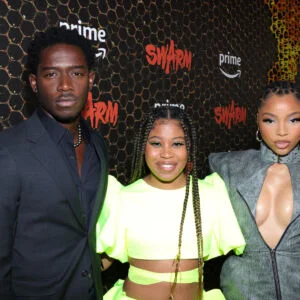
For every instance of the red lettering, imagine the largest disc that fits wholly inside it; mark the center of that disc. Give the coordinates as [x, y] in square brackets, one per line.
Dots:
[112, 113]
[163, 56]
[168, 57]
[89, 110]
[188, 59]
[151, 57]
[179, 59]
[243, 115]
[230, 115]
[100, 112]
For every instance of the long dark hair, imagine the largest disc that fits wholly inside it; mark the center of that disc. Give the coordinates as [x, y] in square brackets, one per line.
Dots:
[140, 170]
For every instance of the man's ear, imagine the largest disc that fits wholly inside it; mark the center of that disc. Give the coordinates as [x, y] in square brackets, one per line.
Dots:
[91, 80]
[32, 81]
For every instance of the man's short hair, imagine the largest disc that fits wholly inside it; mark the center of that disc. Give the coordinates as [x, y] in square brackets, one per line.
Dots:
[58, 35]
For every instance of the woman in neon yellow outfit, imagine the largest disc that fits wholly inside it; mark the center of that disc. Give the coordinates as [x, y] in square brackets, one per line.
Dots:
[162, 228]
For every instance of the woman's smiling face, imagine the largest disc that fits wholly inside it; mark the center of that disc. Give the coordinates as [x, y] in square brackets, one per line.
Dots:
[166, 155]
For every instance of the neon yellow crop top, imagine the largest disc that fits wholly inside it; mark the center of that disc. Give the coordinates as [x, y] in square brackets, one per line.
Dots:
[142, 222]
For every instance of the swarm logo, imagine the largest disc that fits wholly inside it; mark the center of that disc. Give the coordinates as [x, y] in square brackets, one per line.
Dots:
[100, 112]
[230, 60]
[230, 115]
[92, 34]
[168, 57]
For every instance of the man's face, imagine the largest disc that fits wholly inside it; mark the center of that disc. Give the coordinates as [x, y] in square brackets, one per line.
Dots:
[62, 81]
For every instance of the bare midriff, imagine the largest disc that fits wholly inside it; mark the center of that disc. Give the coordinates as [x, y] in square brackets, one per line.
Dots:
[161, 290]
[274, 208]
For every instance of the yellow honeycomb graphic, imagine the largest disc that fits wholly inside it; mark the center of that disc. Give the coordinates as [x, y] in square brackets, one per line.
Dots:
[286, 28]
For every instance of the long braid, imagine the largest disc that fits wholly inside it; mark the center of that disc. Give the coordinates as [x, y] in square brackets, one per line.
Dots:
[191, 144]
[178, 256]
[197, 212]
[185, 202]
[135, 165]
[139, 168]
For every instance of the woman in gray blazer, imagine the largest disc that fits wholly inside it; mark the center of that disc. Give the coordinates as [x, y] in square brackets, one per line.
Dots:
[264, 187]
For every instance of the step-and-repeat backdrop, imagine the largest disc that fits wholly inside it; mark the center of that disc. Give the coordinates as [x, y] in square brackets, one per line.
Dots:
[210, 57]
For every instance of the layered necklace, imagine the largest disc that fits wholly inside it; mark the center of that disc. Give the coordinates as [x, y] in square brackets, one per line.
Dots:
[79, 138]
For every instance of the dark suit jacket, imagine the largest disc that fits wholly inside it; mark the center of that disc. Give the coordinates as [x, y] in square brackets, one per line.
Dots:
[44, 238]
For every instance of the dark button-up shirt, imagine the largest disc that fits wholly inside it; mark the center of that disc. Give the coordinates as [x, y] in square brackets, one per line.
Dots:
[88, 181]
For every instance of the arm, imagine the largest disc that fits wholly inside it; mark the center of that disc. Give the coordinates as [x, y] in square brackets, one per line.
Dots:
[9, 196]
[110, 228]
[106, 262]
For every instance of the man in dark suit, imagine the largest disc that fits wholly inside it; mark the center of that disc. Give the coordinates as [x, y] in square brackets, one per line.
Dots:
[53, 179]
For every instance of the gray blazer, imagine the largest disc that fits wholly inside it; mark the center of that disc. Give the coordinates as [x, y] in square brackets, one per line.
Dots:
[45, 242]
[261, 272]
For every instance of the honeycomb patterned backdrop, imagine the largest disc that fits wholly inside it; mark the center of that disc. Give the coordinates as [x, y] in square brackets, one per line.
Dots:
[286, 28]
[225, 52]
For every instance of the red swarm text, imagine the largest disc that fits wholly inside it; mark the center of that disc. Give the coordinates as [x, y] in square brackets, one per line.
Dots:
[168, 57]
[100, 112]
[230, 115]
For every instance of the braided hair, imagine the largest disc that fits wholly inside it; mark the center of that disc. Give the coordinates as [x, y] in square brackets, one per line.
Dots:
[279, 88]
[140, 170]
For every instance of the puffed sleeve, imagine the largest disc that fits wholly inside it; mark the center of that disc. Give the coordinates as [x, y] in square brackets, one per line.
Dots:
[225, 234]
[110, 228]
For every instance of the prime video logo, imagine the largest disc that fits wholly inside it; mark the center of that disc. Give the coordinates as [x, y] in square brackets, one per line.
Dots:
[90, 33]
[167, 103]
[230, 60]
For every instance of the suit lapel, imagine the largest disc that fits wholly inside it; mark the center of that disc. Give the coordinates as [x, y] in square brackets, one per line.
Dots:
[48, 154]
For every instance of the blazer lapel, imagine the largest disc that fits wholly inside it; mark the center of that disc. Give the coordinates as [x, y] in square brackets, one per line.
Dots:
[295, 177]
[48, 154]
[250, 184]
[251, 181]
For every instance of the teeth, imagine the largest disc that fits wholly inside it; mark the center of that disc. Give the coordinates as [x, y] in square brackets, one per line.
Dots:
[167, 166]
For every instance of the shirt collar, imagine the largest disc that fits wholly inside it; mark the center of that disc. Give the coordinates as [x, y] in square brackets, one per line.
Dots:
[57, 131]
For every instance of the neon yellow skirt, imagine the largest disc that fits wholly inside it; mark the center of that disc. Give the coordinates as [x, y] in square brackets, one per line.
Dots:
[116, 292]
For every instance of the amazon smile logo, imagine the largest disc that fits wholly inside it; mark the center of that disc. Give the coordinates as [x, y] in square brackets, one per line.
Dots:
[93, 34]
[230, 60]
